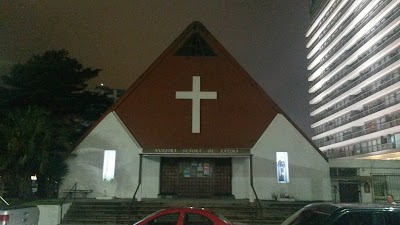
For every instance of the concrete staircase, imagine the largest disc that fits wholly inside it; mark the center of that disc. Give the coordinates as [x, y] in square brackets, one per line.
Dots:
[118, 211]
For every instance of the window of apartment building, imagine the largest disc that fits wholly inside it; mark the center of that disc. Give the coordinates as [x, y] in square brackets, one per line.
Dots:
[395, 115]
[372, 145]
[398, 95]
[347, 134]
[357, 149]
[385, 139]
[381, 123]
[370, 126]
[338, 137]
[339, 120]
[364, 148]
[392, 98]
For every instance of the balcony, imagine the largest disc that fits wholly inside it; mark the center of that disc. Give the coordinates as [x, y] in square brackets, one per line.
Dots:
[363, 131]
[366, 111]
[358, 98]
[370, 21]
[360, 30]
[322, 30]
[383, 25]
[384, 47]
[321, 19]
[334, 35]
[337, 153]
[353, 83]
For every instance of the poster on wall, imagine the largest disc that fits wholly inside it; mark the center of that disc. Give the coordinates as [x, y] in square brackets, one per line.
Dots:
[282, 167]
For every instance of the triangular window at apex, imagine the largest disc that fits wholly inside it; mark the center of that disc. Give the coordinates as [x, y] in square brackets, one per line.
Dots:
[195, 45]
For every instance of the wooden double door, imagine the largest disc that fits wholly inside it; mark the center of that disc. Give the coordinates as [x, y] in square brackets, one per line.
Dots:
[196, 177]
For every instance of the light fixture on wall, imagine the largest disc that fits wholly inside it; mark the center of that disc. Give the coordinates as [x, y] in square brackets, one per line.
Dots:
[109, 165]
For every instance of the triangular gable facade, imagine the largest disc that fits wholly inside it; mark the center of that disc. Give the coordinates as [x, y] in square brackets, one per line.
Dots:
[196, 107]
[236, 118]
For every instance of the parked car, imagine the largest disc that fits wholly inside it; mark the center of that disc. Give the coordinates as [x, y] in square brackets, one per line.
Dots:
[184, 216]
[18, 215]
[345, 214]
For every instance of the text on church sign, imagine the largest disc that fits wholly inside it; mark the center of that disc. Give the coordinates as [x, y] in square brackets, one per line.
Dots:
[238, 151]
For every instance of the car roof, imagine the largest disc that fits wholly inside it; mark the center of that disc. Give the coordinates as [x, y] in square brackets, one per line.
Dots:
[186, 209]
[332, 207]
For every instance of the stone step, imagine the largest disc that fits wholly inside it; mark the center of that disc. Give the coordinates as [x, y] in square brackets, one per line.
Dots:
[120, 211]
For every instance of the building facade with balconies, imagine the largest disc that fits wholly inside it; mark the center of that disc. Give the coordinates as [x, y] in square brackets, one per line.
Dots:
[354, 76]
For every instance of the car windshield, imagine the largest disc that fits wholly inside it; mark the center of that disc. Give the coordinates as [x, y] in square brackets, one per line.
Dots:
[148, 216]
[222, 217]
[307, 217]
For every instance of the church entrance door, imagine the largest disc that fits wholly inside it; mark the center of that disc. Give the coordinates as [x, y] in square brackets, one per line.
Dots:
[196, 177]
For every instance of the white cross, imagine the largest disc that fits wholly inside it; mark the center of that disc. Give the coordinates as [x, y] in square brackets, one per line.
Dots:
[196, 95]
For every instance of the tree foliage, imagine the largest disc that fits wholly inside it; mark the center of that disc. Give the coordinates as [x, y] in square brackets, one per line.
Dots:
[55, 81]
[52, 80]
[45, 108]
[31, 141]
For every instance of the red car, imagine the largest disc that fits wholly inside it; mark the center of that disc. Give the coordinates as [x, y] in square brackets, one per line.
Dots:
[184, 216]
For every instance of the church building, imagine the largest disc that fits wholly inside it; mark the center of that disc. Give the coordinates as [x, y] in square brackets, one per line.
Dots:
[196, 124]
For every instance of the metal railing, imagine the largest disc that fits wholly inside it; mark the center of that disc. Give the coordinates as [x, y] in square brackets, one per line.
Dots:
[363, 131]
[66, 197]
[384, 184]
[339, 152]
[338, 30]
[329, 27]
[327, 14]
[353, 101]
[2, 199]
[131, 205]
[369, 110]
[350, 84]
[259, 207]
[355, 47]
[329, 111]
[362, 59]
[350, 35]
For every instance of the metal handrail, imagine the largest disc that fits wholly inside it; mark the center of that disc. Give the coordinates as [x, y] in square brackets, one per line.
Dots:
[65, 198]
[258, 202]
[137, 188]
[4, 200]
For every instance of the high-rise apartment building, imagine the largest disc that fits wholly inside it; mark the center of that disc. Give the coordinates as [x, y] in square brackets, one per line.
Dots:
[354, 76]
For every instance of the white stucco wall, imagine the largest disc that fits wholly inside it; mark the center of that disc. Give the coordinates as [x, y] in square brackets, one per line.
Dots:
[309, 171]
[51, 214]
[87, 168]
[241, 177]
[150, 177]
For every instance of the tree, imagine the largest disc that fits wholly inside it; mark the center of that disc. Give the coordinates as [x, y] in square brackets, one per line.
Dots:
[52, 80]
[57, 82]
[32, 142]
[45, 107]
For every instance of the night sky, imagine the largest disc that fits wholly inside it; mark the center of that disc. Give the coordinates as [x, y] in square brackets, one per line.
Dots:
[124, 37]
